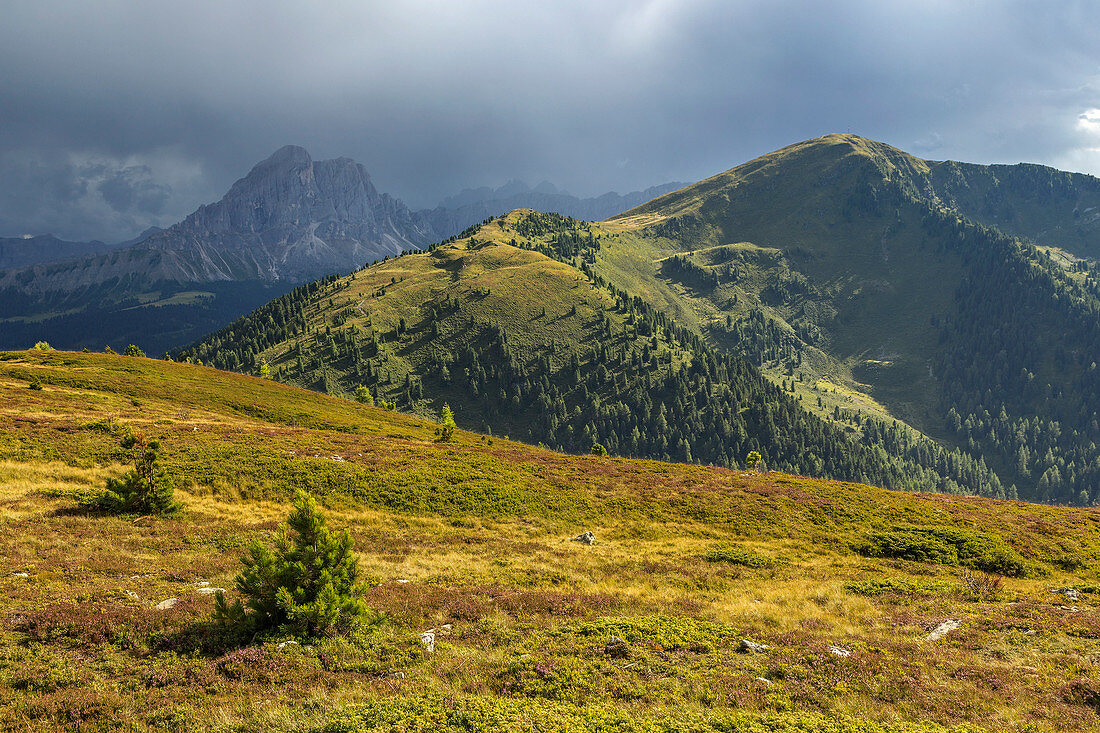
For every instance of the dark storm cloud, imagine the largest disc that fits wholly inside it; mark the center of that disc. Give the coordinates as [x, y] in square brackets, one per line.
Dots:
[116, 115]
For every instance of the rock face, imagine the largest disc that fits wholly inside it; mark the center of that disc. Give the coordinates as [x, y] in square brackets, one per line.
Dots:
[291, 219]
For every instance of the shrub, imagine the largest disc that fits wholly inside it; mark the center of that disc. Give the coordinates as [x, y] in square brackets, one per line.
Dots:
[598, 450]
[43, 346]
[144, 490]
[739, 556]
[133, 350]
[981, 586]
[945, 546]
[669, 632]
[35, 384]
[309, 586]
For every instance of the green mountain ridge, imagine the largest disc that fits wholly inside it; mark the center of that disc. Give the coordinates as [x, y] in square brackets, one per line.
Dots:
[851, 273]
[520, 342]
[918, 308]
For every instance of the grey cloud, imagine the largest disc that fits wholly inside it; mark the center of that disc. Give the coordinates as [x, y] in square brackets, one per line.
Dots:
[129, 189]
[435, 97]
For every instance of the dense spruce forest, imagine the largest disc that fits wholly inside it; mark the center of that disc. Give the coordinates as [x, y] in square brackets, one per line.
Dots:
[632, 380]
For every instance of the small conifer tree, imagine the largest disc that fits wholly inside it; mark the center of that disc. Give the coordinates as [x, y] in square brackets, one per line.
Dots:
[265, 369]
[144, 490]
[752, 460]
[447, 431]
[133, 350]
[363, 395]
[308, 586]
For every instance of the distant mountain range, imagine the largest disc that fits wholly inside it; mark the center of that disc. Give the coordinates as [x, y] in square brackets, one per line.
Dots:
[291, 219]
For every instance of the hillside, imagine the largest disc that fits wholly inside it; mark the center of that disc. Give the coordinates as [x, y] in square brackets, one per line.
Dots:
[871, 279]
[640, 631]
[520, 342]
[290, 220]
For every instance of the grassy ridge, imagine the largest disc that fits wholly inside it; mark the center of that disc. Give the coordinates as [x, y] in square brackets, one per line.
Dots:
[863, 280]
[640, 631]
[508, 325]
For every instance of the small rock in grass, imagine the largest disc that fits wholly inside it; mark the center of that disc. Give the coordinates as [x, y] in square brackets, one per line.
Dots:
[283, 644]
[22, 575]
[202, 584]
[1071, 594]
[207, 591]
[133, 595]
[397, 675]
[401, 580]
[586, 538]
[764, 681]
[751, 647]
[428, 640]
[616, 648]
[167, 604]
[943, 629]
[840, 651]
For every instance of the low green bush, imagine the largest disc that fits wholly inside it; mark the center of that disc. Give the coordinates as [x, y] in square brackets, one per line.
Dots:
[942, 545]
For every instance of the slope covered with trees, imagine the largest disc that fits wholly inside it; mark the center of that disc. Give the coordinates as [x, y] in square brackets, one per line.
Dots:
[841, 261]
[509, 325]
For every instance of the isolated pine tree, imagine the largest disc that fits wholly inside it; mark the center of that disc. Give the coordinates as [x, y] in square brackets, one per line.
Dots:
[447, 429]
[308, 586]
[144, 490]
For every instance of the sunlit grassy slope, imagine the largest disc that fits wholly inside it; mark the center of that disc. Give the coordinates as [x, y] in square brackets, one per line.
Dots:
[869, 280]
[788, 234]
[639, 632]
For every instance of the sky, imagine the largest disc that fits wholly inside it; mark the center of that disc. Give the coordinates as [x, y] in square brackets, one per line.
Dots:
[121, 114]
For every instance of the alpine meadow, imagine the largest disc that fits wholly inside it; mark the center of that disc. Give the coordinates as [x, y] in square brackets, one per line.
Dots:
[370, 368]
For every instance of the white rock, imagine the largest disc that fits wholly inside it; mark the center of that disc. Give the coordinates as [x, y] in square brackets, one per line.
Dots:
[133, 595]
[209, 591]
[840, 651]
[167, 604]
[943, 629]
[585, 538]
[202, 584]
[751, 647]
[22, 575]
[402, 581]
[765, 682]
[428, 640]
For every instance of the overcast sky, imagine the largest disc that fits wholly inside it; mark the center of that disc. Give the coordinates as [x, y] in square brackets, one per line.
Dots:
[115, 115]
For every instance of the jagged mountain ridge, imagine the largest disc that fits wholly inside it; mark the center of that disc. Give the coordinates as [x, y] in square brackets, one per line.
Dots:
[290, 219]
